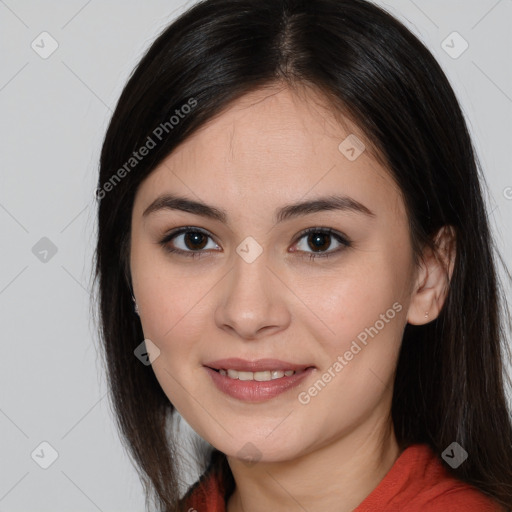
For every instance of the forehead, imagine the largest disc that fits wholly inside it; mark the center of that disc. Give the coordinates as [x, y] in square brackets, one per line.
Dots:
[273, 145]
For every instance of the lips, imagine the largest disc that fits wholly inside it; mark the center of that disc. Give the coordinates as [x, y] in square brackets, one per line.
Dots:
[260, 365]
[259, 380]
[255, 391]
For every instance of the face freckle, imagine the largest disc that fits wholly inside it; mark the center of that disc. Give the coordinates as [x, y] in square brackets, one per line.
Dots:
[249, 296]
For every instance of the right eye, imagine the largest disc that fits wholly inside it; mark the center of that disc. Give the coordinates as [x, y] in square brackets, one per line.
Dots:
[190, 241]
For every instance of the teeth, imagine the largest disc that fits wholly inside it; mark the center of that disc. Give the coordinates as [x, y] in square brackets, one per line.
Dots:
[258, 376]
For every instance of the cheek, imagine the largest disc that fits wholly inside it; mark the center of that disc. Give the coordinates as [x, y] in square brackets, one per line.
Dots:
[169, 299]
[357, 297]
[359, 359]
[173, 316]
[364, 313]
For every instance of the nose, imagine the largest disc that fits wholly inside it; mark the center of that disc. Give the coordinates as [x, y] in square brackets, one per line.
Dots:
[252, 301]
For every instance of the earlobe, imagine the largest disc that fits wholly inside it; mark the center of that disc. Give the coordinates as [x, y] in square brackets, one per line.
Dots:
[424, 307]
[433, 278]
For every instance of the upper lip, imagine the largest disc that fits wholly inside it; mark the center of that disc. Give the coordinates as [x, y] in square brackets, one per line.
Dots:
[260, 365]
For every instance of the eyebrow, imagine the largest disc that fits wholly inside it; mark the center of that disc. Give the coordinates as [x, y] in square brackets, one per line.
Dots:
[332, 202]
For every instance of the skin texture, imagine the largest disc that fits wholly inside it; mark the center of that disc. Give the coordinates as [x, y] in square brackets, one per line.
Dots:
[268, 149]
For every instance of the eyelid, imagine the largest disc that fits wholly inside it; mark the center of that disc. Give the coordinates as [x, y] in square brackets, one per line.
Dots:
[183, 229]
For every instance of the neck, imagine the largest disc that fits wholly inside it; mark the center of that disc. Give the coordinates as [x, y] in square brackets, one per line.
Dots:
[337, 476]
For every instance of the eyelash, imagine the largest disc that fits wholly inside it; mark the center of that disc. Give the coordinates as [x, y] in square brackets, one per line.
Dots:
[312, 256]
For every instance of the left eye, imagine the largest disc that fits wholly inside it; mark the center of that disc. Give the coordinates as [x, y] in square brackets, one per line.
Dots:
[319, 240]
[190, 242]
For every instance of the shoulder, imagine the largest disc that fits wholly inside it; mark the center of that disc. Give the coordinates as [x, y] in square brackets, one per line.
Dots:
[456, 497]
[418, 481]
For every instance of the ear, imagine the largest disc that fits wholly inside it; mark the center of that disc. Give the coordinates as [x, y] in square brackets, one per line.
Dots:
[433, 278]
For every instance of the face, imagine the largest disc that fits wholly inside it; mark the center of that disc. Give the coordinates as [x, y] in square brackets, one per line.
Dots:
[331, 303]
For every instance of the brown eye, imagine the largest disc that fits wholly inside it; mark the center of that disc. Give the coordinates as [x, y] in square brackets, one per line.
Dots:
[187, 241]
[194, 240]
[318, 241]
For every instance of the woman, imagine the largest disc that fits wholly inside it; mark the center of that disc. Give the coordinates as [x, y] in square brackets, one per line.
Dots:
[289, 194]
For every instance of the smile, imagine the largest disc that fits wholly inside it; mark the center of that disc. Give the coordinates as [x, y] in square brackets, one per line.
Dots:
[258, 376]
[257, 386]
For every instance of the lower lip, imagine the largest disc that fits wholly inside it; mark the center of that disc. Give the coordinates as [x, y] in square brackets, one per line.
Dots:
[256, 391]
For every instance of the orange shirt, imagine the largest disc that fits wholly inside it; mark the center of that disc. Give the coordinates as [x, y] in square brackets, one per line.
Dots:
[416, 482]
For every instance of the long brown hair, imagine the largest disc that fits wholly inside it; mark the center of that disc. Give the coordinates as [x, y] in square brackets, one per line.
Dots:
[450, 376]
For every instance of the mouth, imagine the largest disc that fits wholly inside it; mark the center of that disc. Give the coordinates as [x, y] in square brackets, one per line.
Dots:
[256, 381]
[261, 376]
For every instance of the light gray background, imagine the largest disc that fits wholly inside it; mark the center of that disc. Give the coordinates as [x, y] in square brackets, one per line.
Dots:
[54, 113]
